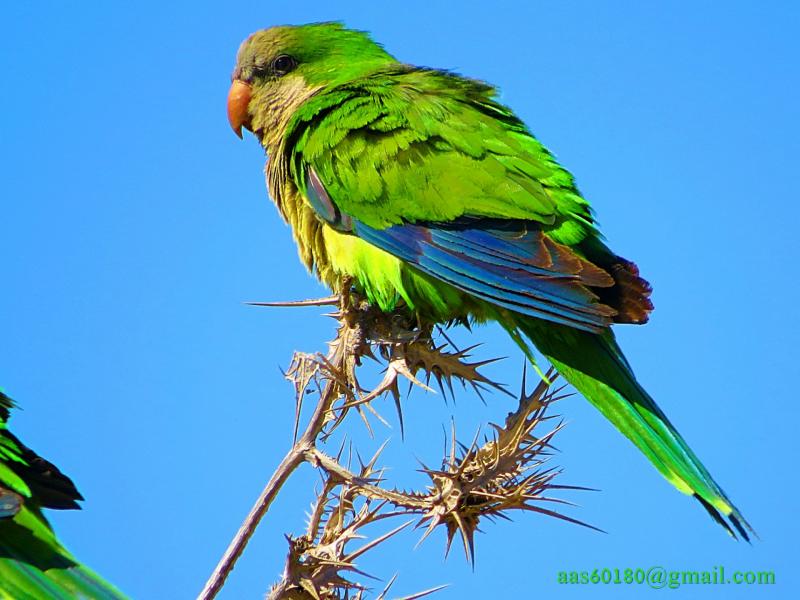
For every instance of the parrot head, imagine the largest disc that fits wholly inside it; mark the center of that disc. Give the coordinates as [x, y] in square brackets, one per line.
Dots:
[279, 68]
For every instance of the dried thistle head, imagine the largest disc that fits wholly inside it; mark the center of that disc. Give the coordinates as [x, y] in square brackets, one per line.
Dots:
[361, 327]
[446, 366]
[319, 562]
[481, 481]
[406, 346]
[318, 567]
[506, 472]
[412, 354]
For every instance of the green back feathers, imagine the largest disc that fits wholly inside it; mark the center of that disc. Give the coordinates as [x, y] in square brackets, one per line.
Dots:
[407, 144]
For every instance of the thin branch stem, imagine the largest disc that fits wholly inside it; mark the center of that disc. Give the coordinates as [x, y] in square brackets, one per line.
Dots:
[319, 459]
[297, 455]
[214, 584]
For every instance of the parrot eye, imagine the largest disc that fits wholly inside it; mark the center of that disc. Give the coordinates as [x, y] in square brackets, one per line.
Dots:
[283, 64]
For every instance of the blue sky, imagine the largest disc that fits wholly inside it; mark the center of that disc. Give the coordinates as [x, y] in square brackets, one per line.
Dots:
[135, 225]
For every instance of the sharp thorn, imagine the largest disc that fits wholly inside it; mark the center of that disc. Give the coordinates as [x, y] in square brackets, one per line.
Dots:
[328, 301]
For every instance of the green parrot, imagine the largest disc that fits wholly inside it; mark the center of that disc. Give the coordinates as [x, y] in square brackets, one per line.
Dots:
[420, 190]
[33, 563]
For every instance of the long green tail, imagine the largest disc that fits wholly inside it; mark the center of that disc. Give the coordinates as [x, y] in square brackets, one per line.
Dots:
[595, 365]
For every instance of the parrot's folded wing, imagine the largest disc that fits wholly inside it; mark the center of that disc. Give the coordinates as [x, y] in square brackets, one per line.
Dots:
[509, 263]
[520, 270]
[409, 145]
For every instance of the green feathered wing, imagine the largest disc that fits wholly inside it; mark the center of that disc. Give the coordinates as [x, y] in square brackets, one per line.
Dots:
[430, 168]
[33, 563]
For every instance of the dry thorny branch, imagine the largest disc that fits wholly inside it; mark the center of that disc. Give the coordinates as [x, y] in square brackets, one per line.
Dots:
[508, 471]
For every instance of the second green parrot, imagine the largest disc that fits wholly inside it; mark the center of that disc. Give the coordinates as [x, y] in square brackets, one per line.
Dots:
[34, 565]
[421, 190]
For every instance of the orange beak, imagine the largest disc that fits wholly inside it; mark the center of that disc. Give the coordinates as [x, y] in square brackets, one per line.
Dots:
[238, 101]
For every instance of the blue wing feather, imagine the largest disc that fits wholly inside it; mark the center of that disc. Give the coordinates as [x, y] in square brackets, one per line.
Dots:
[458, 258]
[511, 264]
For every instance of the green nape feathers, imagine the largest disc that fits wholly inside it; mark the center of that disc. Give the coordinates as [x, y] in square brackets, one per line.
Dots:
[421, 190]
[33, 563]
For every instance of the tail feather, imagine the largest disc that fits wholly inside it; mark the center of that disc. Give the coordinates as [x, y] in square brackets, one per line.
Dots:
[596, 367]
